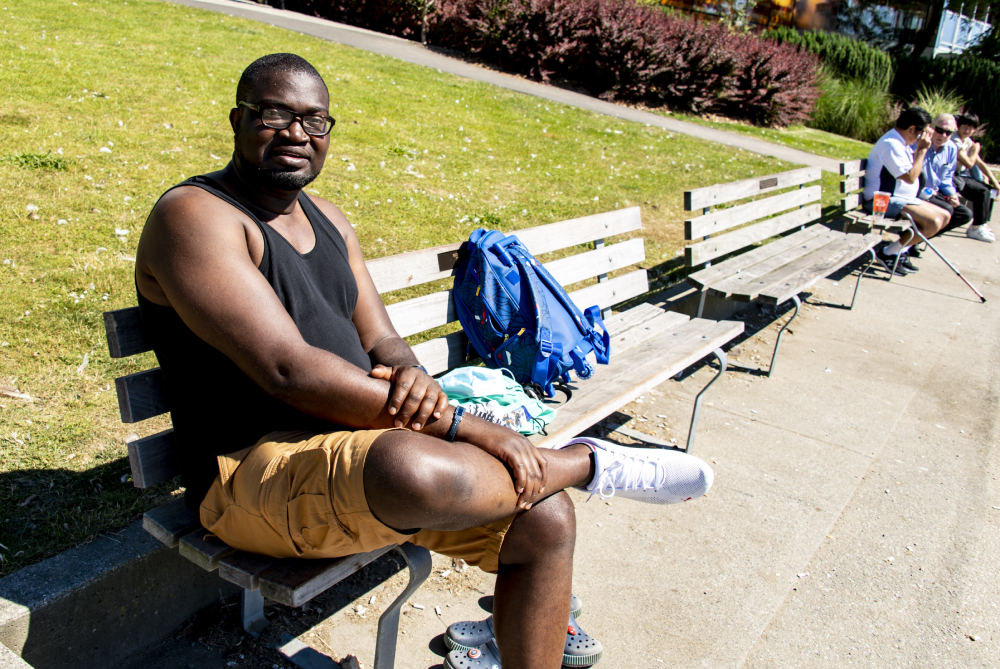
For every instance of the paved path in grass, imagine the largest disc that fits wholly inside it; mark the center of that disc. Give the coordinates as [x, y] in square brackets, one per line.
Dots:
[416, 53]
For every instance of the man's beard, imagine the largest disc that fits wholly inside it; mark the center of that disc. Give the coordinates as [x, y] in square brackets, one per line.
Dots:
[273, 179]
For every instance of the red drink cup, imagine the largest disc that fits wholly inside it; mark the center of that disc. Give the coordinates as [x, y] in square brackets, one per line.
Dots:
[879, 206]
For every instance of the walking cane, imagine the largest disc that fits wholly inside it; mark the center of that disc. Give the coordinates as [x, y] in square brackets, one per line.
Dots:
[914, 228]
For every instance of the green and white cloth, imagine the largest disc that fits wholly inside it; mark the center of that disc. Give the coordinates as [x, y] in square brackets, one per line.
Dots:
[495, 396]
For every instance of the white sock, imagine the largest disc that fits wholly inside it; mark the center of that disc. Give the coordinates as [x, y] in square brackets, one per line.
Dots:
[893, 249]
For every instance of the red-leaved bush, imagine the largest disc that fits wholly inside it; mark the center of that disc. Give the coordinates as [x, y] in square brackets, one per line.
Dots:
[616, 49]
[774, 84]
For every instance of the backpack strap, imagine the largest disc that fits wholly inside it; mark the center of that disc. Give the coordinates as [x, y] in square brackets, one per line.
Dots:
[602, 344]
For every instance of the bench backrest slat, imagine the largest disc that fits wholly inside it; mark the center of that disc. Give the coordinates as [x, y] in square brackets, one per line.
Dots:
[418, 267]
[702, 252]
[853, 167]
[141, 395]
[124, 330]
[711, 196]
[430, 311]
[851, 184]
[444, 353]
[153, 459]
[854, 181]
[720, 220]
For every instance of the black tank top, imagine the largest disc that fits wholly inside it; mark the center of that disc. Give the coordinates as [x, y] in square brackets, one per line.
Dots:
[215, 407]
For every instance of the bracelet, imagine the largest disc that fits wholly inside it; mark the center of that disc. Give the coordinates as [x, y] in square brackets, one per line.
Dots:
[421, 368]
[455, 420]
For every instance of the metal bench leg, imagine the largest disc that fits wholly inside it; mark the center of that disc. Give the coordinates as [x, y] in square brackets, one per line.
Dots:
[860, 276]
[418, 559]
[777, 344]
[252, 612]
[720, 355]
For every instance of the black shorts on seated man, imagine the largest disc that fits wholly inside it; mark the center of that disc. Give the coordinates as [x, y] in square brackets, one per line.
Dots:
[305, 426]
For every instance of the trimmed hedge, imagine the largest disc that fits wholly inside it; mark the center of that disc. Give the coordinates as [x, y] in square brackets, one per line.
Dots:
[844, 57]
[616, 49]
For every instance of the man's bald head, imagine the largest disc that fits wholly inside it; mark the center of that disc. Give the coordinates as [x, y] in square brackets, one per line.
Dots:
[276, 63]
[944, 120]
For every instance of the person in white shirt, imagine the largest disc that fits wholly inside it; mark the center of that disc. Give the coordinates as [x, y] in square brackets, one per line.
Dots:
[894, 166]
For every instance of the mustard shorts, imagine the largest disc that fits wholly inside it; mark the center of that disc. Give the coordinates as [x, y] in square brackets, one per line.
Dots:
[301, 494]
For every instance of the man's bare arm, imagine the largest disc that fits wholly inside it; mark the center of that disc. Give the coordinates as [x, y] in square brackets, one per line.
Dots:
[195, 250]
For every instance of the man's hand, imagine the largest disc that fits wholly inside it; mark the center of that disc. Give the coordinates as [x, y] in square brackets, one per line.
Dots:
[924, 140]
[526, 463]
[415, 395]
[953, 198]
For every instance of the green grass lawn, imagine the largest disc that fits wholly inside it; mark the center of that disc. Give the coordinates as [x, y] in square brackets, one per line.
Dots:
[796, 137]
[107, 104]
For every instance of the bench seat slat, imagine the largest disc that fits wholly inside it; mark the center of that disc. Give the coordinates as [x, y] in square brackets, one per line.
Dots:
[244, 569]
[153, 459]
[204, 549]
[417, 267]
[625, 320]
[720, 220]
[636, 371]
[294, 582]
[430, 311]
[141, 395]
[630, 338]
[711, 276]
[712, 196]
[702, 252]
[171, 521]
[804, 272]
[738, 283]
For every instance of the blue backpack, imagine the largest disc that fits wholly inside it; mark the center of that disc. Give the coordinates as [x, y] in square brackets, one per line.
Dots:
[517, 316]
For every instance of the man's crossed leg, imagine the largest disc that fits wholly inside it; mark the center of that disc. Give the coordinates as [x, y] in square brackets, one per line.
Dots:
[300, 494]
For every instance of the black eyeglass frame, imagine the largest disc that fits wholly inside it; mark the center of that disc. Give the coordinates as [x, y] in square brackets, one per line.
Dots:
[293, 117]
[942, 131]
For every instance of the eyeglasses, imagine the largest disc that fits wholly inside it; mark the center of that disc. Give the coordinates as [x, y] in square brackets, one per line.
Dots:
[942, 131]
[315, 125]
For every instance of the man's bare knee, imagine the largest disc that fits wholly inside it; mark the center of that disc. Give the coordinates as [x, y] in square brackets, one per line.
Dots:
[410, 470]
[549, 527]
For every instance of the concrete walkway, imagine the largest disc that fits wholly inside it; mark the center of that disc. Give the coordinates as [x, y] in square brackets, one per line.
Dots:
[414, 52]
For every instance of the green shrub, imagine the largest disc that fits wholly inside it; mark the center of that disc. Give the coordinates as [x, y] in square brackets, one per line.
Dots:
[852, 108]
[939, 101]
[844, 57]
[973, 78]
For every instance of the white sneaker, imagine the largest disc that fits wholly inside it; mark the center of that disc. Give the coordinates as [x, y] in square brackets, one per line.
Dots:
[980, 233]
[646, 475]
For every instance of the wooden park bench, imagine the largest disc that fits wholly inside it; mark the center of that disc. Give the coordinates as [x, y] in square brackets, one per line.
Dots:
[649, 345]
[763, 259]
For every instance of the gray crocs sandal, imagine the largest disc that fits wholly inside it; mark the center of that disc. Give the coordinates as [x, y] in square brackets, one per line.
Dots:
[582, 650]
[486, 656]
[469, 634]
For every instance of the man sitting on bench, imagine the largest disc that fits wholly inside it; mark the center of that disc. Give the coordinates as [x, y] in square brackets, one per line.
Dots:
[304, 423]
[894, 167]
[939, 171]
